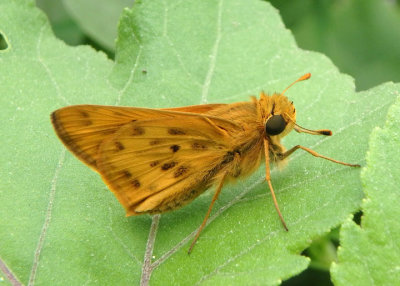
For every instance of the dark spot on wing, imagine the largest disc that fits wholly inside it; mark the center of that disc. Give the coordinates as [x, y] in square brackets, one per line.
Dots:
[85, 114]
[199, 146]
[167, 166]
[87, 122]
[127, 174]
[119, 145]
[176, 131]
[181, 170]
[153, 164]
[175, 148]
[137, 131]
[135, 183]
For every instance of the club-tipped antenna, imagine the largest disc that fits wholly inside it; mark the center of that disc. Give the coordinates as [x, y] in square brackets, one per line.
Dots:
[303, 77]
[300, 129]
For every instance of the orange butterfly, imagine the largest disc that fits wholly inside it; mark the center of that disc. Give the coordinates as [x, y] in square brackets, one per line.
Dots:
[157, 160]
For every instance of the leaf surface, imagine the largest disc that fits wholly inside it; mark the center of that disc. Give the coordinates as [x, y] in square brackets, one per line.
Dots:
[370, 254]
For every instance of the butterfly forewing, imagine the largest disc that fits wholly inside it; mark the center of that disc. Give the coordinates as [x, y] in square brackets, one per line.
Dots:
[82, 128]
[158, 165]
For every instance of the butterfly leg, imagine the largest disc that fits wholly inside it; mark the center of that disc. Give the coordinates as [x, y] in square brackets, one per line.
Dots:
[312, 152]
[268, 179]
[203, 224]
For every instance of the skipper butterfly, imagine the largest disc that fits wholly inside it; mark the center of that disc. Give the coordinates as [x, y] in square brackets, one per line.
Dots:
[158, 160]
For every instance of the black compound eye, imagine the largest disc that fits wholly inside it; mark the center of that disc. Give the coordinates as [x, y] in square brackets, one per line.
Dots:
[275, 125]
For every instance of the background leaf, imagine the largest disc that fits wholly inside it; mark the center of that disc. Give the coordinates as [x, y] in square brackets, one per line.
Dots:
[98, 18]
[362, 37]
[62, 225]
[370, 254]
[62, 24]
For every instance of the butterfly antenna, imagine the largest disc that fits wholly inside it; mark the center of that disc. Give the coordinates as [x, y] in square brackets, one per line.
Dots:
[303, 77]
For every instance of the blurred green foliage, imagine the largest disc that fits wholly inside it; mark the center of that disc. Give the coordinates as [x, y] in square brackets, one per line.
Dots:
[362, 37]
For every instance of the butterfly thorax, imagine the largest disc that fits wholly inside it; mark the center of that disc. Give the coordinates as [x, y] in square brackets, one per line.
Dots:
[251, 117]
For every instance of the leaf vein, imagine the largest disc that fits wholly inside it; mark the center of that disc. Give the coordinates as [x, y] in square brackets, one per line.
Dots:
[46, 67]
[213, 56]
[47, 219]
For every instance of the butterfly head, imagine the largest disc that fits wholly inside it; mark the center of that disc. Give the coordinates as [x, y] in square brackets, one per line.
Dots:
[278, 114]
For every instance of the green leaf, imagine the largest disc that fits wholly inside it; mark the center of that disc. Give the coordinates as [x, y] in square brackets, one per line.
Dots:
[60, 224]
[370, 254]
